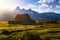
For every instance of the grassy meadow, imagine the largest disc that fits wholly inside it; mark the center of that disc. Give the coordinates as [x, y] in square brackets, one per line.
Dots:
[47, 31]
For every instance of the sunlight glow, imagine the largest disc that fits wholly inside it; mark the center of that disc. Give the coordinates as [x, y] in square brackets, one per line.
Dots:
[5, 4]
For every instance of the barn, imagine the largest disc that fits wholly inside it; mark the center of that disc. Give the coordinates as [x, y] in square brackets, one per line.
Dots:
[22, 19]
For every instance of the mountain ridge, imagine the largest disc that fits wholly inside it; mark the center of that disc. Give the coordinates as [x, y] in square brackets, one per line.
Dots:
[40, 16]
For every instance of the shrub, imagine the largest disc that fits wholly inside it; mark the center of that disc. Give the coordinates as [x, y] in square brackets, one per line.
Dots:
[31, 36]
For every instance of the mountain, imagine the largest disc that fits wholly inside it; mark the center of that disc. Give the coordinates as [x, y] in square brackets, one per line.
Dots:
[17, 9]
[21, 11]
[39, 16]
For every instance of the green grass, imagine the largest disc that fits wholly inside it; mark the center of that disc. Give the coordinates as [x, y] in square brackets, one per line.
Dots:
[3, 23]
[29, 32]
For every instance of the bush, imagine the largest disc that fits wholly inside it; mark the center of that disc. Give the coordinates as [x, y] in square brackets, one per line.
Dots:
[31, 36]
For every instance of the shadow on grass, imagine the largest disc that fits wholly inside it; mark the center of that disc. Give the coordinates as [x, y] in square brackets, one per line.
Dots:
[26, 36]
[31, 36]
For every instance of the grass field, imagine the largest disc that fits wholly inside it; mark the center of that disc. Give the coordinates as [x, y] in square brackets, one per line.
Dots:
[29, 32]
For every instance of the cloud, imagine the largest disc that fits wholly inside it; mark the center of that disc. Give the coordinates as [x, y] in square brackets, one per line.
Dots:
[57, 11]
[48, 10]
[51, 6]
[58, 6]
[30, 6]
[59, 1]
[45, 1]
[43, 6]
[39, 8]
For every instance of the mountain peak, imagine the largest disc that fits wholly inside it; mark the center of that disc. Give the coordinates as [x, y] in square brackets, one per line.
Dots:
[23, 9]
[17, 7]
[29, 9]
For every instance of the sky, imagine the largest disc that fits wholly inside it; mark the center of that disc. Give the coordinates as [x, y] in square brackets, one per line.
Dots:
[35, 5]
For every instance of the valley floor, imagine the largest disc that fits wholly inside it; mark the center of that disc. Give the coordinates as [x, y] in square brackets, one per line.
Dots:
[29, 32]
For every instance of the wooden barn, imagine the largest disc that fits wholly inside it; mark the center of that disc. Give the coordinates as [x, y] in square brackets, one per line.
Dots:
[22, 19]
